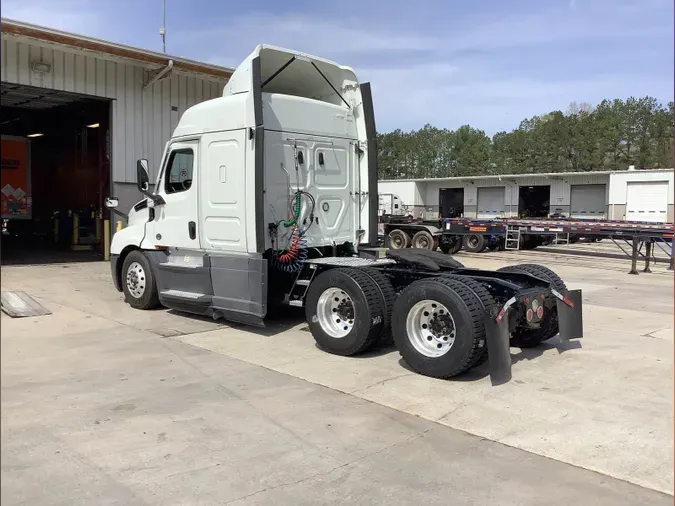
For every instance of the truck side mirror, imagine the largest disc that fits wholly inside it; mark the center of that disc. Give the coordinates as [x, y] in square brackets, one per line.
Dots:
[112, 202]
[142, 176]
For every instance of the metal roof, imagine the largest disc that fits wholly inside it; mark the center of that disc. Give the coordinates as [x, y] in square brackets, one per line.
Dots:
[41, 33]
[547, 175]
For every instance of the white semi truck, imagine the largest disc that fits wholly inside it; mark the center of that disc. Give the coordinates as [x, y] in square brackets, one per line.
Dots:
[268, 196]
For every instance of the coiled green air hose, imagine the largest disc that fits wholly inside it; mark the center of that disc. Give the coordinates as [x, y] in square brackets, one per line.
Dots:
[296, 207]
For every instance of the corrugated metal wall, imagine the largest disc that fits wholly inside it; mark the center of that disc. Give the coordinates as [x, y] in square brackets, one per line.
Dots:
[142, 120]
[560, 188]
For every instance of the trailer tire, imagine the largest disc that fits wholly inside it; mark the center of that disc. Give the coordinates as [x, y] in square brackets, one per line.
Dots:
[388, 297]
[417, 347]
[360, 298]
[398, 239]
[529, 338]
[138, 282]
[529, 242]
[474, 243]
[423, 240]
[450, 244]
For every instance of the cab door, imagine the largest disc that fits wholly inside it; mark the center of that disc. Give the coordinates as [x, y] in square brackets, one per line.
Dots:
[176, 221]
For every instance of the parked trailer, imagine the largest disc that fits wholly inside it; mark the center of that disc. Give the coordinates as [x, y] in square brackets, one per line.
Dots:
[515, 234]
[213, 240]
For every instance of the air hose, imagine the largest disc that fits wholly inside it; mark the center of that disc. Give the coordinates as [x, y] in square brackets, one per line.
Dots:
[293, 258]
[296, 207]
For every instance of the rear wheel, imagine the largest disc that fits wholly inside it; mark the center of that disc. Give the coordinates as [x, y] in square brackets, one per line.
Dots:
[423, 240]
[344, 311]
[475, 243]
[438, 327]
[388, 297]
[529, 338]
[138, 282]
[398, 239]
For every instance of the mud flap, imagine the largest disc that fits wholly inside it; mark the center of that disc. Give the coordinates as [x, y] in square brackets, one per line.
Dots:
[499, 355]
[570, 319]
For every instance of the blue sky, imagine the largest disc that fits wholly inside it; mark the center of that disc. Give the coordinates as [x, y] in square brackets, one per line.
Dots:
[487, 63]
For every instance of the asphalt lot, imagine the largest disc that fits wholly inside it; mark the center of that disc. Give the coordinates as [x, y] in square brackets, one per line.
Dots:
[103, 404]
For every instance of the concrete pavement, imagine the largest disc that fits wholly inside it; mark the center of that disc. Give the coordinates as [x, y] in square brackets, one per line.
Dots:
[102, 404]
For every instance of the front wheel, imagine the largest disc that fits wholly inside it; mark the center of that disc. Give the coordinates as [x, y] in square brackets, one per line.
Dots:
[138, 282]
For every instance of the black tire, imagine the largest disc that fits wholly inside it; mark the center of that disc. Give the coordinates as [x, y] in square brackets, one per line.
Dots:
[388, 297]
[423, 240]
[486, 299]
[529, 338]
[474, 243]
[369, 313]
[398, 239]
[529, 243]
[467, 311]
[497, 245]
[450, 244]
[149, 298]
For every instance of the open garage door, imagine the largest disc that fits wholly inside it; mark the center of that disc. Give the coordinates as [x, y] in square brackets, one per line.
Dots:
[647, 201]
[534, 201]
[490, 202]
[52, 195]
[588, 201]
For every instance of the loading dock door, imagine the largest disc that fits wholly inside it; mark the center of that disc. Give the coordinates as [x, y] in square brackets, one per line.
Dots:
[588, 201]
[647, 201]
[490, 202]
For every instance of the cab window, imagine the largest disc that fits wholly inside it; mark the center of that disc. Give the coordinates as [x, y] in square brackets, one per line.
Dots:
[178, 174]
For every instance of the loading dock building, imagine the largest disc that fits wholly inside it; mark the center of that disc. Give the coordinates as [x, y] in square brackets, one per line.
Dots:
[90, 108]
[631, 195]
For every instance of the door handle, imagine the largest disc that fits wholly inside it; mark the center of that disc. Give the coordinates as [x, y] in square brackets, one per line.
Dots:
[192, 229]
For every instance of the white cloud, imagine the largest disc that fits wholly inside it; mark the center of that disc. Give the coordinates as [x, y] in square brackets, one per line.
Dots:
[484, 68]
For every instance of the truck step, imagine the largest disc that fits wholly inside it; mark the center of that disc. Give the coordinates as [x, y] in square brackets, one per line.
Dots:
[302, 282]
[182, 294]
[295, 303]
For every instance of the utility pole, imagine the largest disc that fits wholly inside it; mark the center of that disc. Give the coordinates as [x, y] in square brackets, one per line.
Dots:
[162, 30]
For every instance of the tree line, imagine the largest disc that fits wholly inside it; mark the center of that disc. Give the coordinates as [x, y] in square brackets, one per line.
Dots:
[611, 136]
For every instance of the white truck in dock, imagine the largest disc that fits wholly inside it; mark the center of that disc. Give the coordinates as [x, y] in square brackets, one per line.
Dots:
[268, 196]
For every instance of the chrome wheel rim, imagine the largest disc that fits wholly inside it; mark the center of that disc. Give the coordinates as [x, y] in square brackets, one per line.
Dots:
[430, 328]
[136, 280]
[423, 242]
[397, 241]
[336, 313]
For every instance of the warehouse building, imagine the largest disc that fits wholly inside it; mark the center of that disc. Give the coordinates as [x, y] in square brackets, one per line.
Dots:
[631, 195]
[76, 114]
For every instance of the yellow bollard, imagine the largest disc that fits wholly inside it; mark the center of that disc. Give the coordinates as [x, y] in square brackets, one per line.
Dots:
[106, 240]
[118, 227]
